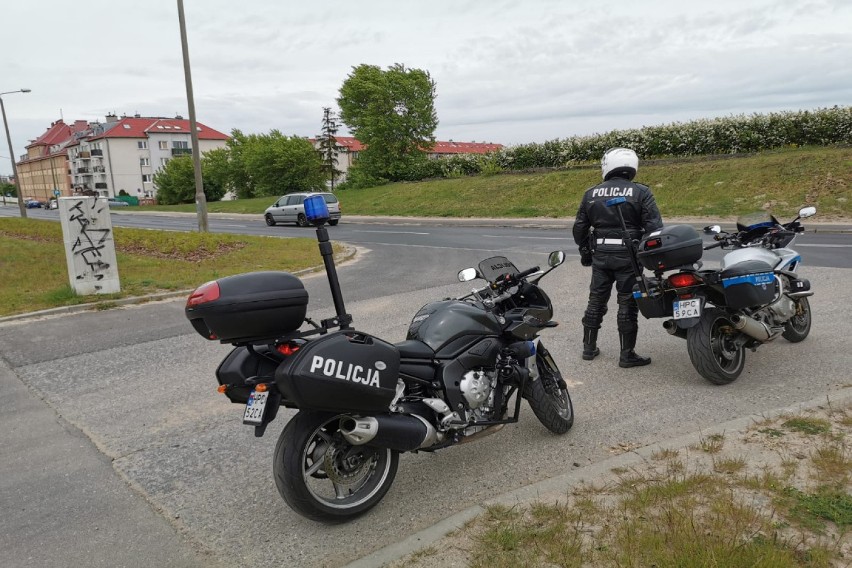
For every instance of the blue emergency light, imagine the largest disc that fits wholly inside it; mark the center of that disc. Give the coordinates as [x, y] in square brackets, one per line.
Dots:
[316, 210]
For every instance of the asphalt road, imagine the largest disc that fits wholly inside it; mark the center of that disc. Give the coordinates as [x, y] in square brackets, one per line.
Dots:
[138, 458]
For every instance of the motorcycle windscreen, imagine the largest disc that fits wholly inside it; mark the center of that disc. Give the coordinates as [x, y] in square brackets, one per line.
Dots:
[755, 219]
[491, 268]
[346, 371]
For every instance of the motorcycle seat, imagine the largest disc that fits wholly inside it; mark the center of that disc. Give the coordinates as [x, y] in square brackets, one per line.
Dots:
[414, 349]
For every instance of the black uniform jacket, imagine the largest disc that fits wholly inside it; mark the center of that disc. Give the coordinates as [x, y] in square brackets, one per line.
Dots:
[640, 215]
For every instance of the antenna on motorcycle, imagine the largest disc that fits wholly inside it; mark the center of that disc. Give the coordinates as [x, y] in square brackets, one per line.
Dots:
[316, 212]
[631, 246]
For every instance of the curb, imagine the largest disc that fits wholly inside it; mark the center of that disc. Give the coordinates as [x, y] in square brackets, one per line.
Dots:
[348, 253]
[561, 483]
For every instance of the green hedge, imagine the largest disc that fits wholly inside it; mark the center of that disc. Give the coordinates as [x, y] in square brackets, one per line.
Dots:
[728, 135]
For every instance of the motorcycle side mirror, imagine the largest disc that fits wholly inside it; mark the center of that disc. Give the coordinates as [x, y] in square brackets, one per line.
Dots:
[806, 212]
[712, 229]
[467, 274]
[556, 258]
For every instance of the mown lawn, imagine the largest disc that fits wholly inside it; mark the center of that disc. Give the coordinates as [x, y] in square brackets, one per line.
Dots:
[35, 275]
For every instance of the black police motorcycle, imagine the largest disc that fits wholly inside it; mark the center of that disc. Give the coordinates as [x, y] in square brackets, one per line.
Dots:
[754, 297]
[361, 400]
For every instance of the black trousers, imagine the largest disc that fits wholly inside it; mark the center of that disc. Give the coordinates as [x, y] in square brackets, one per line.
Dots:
[610, 268]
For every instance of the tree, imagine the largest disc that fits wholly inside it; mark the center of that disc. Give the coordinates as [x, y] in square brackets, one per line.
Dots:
[328, 145]
[8, 189]
[216, 171]
[281, 164]
[272, 164]
[393, 113]
[238, 174]
[175, 182]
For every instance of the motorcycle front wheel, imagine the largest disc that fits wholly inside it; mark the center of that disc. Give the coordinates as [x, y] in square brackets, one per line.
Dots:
[323, 477]
[799, 326]
[548, 396]
[712, 349]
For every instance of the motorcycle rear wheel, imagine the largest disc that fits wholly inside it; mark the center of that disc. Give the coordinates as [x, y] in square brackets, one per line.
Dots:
[799, 326]
[323, 477]
[712, 349]
[548, 396]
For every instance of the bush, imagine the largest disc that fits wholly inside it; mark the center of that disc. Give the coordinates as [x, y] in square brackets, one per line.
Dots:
[728, 135]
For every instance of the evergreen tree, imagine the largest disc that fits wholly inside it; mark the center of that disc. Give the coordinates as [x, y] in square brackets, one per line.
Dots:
[328, 147]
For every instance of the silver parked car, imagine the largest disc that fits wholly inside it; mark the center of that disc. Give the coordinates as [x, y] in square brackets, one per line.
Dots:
[290, 208]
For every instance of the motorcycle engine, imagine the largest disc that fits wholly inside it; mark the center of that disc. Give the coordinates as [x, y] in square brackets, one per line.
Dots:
[477, 387]
[782, 309]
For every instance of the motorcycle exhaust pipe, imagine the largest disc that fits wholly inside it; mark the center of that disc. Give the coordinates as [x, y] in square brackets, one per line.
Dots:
[752, 328]
[671, 327]
[400, 432]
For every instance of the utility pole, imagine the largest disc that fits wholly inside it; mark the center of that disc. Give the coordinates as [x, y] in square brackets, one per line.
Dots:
[200, 198]
[12, 153]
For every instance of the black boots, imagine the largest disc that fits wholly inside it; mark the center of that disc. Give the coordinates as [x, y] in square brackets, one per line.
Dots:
[628, 357]
[590, 338]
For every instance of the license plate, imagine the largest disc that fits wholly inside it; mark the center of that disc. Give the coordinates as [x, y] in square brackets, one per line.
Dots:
[687, 308]
[254, 407]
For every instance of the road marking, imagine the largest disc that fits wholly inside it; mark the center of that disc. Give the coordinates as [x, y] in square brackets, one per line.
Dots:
[797, 245]
[233, 226]
[536, 238]
[451, 248]
[390, 232]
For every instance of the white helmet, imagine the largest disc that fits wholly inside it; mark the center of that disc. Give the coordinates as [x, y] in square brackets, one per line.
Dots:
[621, 162]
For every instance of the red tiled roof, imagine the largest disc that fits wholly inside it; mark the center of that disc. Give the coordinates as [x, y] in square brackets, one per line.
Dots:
[464, 148]
[132, 127]
[56, 134]
[350, 143]
[440, 147]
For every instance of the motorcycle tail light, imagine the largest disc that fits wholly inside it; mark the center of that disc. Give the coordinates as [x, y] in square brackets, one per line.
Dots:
[261, 387]
[287, 349]
[207, 292]
[683, 280]
[653, 243]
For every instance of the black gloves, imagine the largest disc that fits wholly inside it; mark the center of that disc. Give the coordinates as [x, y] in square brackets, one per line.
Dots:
[585, 256]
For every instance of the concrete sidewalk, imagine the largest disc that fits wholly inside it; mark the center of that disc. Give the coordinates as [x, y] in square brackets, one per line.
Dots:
[63, 503]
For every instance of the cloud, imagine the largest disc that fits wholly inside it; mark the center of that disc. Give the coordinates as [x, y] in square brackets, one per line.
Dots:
[506, 71]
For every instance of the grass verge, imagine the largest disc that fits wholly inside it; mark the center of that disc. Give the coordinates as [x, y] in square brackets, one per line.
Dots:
[776, 495]
[35, 274]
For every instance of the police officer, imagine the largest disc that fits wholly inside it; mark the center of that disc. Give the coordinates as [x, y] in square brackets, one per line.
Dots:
[599, 234]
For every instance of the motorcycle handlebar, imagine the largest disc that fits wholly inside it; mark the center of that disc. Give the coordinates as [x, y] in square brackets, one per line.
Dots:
[527, 272]
[507, 280]
[714, 245]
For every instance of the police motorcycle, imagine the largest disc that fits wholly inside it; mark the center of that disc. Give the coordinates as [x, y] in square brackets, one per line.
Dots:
[361, 400]
[754, 296]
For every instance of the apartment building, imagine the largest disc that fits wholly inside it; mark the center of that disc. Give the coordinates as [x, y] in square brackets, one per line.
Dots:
[43, 170]
[106, 158]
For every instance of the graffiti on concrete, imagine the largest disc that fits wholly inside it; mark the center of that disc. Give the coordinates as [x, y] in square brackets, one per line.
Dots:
[89, 245]
[89, 241]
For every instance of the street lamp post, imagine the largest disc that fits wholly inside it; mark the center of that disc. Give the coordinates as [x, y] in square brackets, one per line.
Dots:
[12, 152]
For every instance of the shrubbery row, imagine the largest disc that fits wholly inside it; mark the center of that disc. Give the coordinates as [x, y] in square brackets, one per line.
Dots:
[728, 135]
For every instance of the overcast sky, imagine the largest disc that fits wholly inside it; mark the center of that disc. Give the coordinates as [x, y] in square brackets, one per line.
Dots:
[507, 71]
